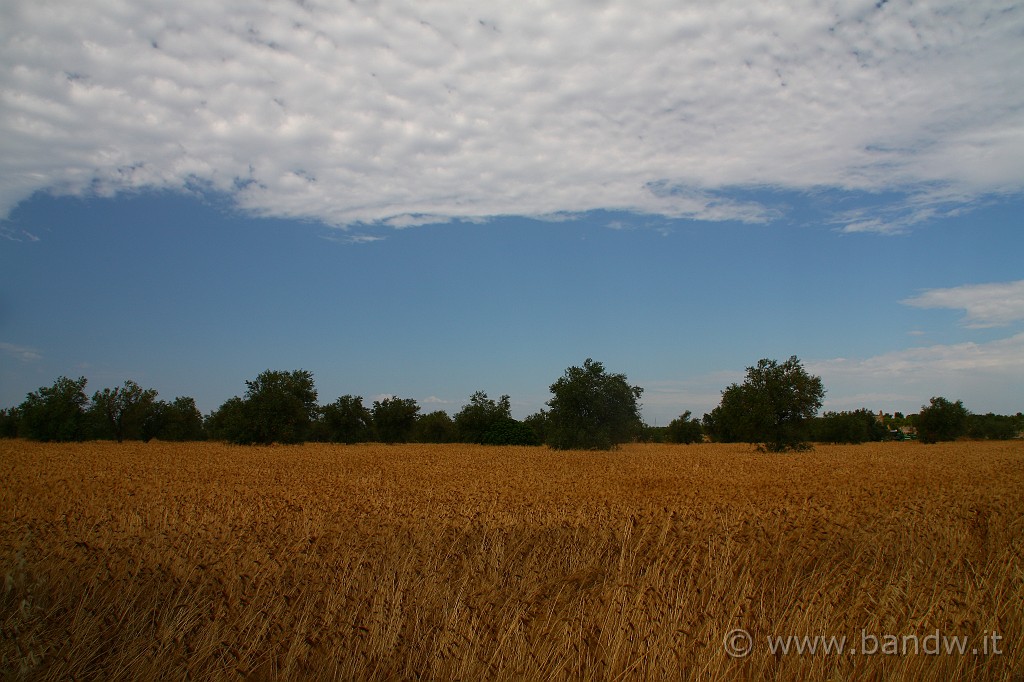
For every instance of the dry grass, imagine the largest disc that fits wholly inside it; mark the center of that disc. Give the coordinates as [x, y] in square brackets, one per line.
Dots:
[462, 562]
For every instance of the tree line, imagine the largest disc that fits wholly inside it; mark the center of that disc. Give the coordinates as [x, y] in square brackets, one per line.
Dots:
[776, 407]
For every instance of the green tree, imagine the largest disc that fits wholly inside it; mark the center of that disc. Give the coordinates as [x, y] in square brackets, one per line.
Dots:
[592, 410]
[435, 427]
[123, 411]
[55, 413]
[510, 432]
[179, 420]
[653, 434]
[993, 426]
[394, 419]
[859, 426]
[942, 420]
[773, 406]
[481, 415]
[538, 423]
[280, 407]
[347, 420]
[683, 429]
[9, 419]
[229, 422]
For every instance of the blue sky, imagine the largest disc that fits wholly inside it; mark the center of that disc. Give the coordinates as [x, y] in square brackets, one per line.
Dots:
[426, 202]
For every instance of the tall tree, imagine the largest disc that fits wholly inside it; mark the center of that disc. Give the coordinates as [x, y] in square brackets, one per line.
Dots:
[9, 419]
[347, 420]
[179, 420]
[942, 420]
[280, 407]
[772, 406]
[123, 410]
[55, 413]
[480, 415]
[592, 409]
[435, 427]
[229, 422]
[538, 423]
[395, 419]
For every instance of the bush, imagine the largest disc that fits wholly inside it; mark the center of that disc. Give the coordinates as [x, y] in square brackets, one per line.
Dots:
[510, 432]
[683, 429]
[994, 426]
[860, 426]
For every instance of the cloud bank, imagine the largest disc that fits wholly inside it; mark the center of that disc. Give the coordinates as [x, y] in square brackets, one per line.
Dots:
[401, 113]
[984, 375]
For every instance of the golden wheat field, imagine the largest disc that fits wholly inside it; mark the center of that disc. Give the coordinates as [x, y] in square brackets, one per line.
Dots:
[209, 561]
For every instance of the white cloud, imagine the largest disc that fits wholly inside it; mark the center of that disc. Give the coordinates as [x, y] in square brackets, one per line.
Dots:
[987, 376]
[987, 305]
[352, 238]
[900, 216]
[1002, 356]
[13, 234]
[403, 113]
[23, 353]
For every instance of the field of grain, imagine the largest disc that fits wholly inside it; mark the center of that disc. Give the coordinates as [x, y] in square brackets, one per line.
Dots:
[161, 560]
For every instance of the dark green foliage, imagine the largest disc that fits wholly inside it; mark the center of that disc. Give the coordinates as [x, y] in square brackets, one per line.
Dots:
[592, 410]
[176, 421]
[942, 420]
[653, 434]
[279, 407]
[435, 427]
[346, 420]
[725, 423]
[772, 407]
[994, 426]
[510, 432]
[480, 416]
[394, 419]
[122, 412]
[683, 429]
[55, 413]
[9, 419]
[229, 422]
[859, 426]
[538, 423]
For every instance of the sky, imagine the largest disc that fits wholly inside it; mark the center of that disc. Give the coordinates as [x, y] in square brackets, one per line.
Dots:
[430, 199]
